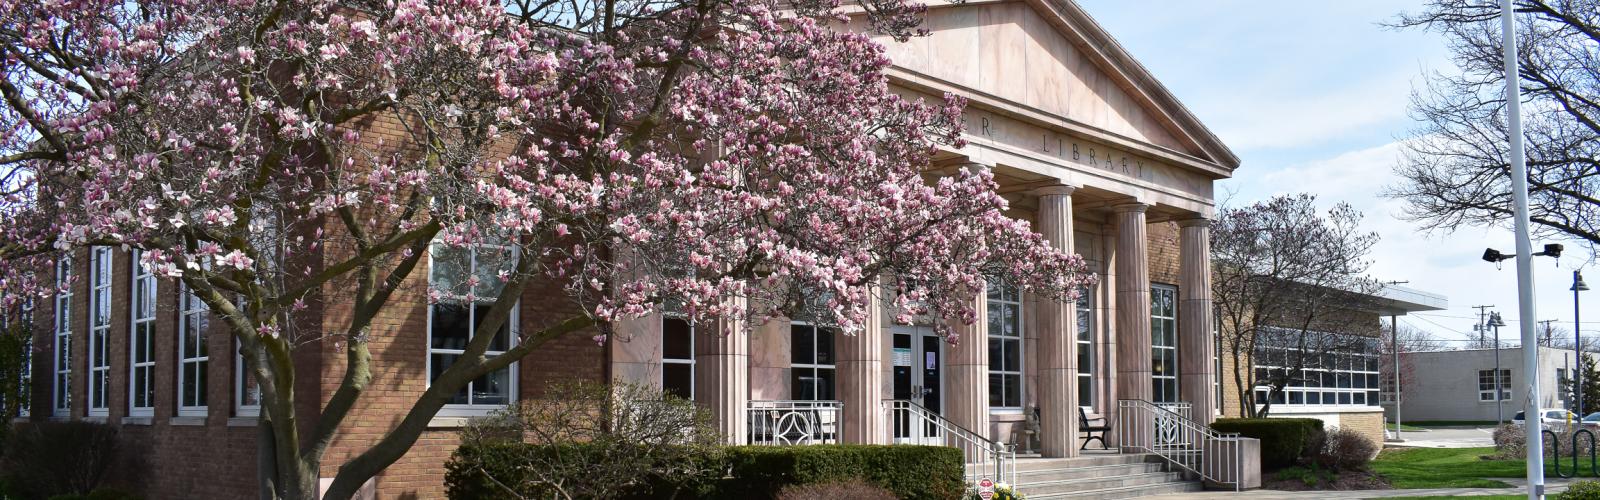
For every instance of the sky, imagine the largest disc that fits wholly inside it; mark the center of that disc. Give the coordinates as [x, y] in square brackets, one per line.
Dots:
[1313, 98]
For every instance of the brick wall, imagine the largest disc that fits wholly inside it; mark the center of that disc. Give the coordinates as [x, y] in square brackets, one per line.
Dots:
[1369, 424]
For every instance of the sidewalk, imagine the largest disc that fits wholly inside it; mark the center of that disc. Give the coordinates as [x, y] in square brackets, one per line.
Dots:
[1552, 487]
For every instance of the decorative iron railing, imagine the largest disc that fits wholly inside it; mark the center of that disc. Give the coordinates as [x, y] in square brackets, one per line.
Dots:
[1166, 430]
[794, 422]
[911, 423]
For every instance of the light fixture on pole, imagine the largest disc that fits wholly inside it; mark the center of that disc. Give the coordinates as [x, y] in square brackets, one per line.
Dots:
[1577, 341]
[1496, 322]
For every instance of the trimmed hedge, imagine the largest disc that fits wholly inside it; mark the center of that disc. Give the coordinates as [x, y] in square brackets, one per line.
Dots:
[743, 472]
[1283, 440]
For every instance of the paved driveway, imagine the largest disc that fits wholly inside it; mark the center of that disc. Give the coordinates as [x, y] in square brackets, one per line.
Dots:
[1448, 437]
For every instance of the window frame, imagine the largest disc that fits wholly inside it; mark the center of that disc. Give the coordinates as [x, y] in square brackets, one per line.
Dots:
[815, 367]
[513, 388]
[1004, 295]
[1159, 382]
[1329, 380]
[25, 378]
[61, 389]
[1487, 388]
[240, 388]
[1085, 324]
[140, 276]
[690, 361]
[102, 264]
[190, 305]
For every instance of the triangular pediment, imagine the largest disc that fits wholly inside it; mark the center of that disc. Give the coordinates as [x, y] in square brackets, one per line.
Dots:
[1048, 55]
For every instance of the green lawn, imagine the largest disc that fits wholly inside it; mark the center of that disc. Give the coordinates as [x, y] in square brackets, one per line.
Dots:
[1445, 468]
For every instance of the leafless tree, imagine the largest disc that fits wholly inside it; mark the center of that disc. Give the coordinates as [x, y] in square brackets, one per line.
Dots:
[1289, 283]
[1455, 171]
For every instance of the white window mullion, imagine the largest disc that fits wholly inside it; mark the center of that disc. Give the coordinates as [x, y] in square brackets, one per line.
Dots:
[194, 319]
[677, 356]
[1005, 339]
[100, 272]
[61, 387]
[1164, 343]
[453, 320]
[141, 339]
[812, 369]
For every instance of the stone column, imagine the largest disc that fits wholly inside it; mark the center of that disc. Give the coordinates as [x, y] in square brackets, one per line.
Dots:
[860, 365]
[723, 372]
[636, 351]
[967, 371]
[1057, 334]
[1196, 371]
[1133, 303]
[1106, 334]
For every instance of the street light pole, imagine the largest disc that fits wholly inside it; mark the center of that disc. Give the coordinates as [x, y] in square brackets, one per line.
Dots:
[1499, 415]
[1577, 341]
[1526, 309]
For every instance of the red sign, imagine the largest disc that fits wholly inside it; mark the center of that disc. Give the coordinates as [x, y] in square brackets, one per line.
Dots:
[985, 488]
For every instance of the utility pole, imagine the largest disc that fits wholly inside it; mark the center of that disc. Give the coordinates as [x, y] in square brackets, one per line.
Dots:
[1483, 326]
[1547, 327]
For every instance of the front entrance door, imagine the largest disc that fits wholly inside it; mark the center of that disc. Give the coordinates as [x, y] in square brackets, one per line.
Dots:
[918, 359]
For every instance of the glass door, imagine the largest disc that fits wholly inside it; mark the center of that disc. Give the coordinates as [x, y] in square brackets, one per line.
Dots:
[917, 356]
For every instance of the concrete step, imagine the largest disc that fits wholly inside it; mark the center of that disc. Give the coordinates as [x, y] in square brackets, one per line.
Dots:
[1032, 464]
[1143, 490]
[1032, 488]
[1097, 471]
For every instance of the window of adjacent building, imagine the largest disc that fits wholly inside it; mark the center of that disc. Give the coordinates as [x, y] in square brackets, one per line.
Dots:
[1345, 374]
[811, 374]
[1164, 343]
[1085, 312]
[677, 356]
[62, 393]
[1486, 385]
[100, 269]
[467, 282]
[142, 342]
[1005, 347]
[194, 319]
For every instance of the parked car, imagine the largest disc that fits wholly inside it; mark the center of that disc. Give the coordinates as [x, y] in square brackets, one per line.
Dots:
[1592, 421]
[1549, 417]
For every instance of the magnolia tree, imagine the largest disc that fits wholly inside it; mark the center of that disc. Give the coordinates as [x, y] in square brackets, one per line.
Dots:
[284, 159]
[1289, 285]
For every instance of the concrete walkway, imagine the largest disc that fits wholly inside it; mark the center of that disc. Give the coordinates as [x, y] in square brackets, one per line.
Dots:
[1447, 437]
[1552, 487]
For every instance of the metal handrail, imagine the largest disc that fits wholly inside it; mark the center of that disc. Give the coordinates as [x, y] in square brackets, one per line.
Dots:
[984, 457]
[775, 422]
[1148, 427]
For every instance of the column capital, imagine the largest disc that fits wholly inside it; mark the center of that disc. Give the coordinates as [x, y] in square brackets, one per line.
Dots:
[1195, 222]
[1131, 206]
[1056, 190]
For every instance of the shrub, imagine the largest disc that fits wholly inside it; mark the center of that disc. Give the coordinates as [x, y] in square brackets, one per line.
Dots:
[1283, 440]
[55, 458]
[1581, 490]
[735, 472]
[854, 489]
[1346, 450]
[1565, 438]
[100, 494]
[596, 441]
[1509, 442]
[933, 472]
